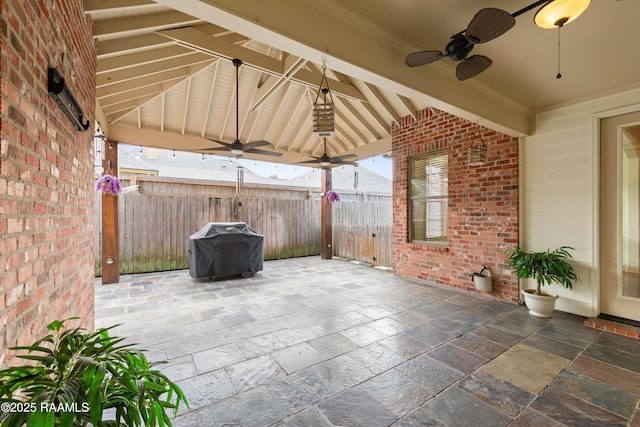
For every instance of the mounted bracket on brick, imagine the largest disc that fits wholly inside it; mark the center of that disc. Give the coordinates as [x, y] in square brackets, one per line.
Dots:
[60, 92]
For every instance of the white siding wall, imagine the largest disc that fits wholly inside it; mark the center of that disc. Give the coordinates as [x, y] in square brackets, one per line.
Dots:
[559, 190]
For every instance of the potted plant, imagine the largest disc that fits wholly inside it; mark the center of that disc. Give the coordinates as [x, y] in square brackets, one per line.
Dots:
[482, 282]
[77, 379]
[109, 184]
[546, 268]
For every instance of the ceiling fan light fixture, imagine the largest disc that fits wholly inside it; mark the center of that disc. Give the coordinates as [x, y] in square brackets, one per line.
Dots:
[557, 13]
[325, 160]
[236, 151]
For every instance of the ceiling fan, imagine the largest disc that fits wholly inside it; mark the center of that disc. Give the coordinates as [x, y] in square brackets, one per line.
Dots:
[325, 160]
[485, 26]
[236, 147]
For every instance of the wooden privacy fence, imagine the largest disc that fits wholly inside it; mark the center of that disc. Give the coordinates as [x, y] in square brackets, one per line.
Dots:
[157, 220]
[362, 229]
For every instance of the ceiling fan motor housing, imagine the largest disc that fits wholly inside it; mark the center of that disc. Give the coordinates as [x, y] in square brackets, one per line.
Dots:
[459, 48]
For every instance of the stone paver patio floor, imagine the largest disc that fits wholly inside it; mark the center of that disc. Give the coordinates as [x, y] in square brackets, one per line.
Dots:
[312, 342]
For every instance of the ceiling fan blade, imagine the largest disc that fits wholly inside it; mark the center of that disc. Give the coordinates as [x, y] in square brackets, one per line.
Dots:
[342, 162]
[262, 152]
[225, 148]
[254, 144]
[345, 156]
[488, 24]
[219, 142]
[309, 162]
[421, 58]
[472, 66]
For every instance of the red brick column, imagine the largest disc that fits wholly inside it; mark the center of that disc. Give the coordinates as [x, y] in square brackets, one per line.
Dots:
[46, 171]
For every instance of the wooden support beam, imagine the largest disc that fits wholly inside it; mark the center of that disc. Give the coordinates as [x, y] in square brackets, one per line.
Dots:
[326, 235]
[110, 220]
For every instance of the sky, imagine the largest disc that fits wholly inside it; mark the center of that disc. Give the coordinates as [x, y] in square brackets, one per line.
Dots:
[378, 164]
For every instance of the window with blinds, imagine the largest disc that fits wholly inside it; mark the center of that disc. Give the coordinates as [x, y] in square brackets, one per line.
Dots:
[429, 197]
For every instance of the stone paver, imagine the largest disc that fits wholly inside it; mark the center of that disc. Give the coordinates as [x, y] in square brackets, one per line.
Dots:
[312, 342]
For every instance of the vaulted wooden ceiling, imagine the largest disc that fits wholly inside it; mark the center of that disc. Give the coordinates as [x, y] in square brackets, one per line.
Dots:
[166, 79]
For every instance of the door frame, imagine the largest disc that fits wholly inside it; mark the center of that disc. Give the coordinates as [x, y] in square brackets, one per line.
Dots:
[595, 210]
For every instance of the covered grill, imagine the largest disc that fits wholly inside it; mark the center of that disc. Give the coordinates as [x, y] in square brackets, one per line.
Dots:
[225, 249]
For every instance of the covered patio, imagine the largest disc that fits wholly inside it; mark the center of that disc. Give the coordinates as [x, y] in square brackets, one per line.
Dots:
[312, 342]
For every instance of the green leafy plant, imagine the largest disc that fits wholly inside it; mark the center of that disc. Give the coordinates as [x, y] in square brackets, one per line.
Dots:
[77, 379]
[545, 267]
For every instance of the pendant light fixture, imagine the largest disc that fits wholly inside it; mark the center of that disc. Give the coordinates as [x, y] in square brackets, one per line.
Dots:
[324, 110]
[557, 13]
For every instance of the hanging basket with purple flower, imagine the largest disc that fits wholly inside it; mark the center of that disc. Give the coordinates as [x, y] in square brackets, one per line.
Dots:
[109, 184]
[331, 196]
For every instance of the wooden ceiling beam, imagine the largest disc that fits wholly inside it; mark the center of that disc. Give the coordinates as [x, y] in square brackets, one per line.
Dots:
[408, 105]
[310, 96]
[352, 128]
[146, 99]
[140, 58]
[207, 110]
[384, 103]
[348, 105]
[252, 93]
[273, 83]
[343, 139]
[127, 105]
[230, 102]
[377, 117]
[102, 5]
[218, 47]
[148, 80]
[278, 109]
[149, 69]
[129, 95]
[301, 126]
[132, 43]
[185, 108]
[312, 79]
[135, 24]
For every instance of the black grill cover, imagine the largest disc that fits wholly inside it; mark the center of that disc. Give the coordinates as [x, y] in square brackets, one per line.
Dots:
[224, 249]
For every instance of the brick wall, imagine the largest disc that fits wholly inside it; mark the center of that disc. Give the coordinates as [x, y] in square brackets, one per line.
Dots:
[46, 171]
[483, 204]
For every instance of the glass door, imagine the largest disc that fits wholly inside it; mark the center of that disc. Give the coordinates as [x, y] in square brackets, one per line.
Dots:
[620, 216]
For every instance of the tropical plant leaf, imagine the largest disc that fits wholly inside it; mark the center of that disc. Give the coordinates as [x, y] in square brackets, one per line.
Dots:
[71, 366]
[67, 419]
[545, 267]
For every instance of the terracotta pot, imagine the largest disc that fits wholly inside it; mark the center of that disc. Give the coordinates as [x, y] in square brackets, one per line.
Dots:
[539, 305]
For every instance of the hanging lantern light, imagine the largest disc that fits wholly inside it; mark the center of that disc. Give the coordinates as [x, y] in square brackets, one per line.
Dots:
[324, 110]
[477, 154]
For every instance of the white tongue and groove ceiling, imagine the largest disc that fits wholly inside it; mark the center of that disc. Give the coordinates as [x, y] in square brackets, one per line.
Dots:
[165, 76]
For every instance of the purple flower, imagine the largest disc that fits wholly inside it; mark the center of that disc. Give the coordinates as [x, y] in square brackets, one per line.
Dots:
[109, 184]
[332, 196]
